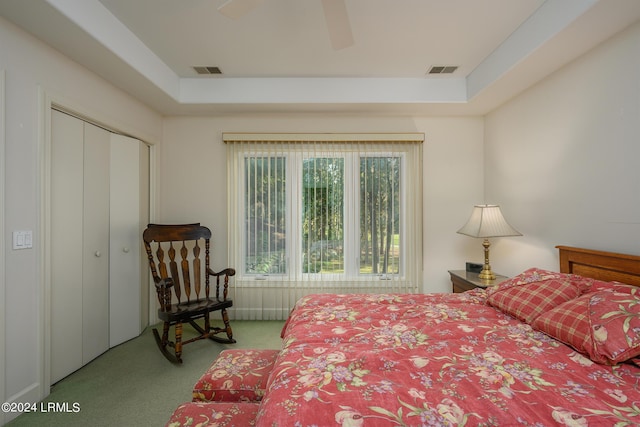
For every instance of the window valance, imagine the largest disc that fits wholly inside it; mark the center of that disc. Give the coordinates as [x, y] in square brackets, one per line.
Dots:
[323, 137]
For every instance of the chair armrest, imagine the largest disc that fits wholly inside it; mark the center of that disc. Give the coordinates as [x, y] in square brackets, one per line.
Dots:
[227, 272]
[164, 283]
[163, 289]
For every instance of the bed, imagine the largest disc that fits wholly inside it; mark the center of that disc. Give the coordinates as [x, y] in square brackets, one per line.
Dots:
[543, 348]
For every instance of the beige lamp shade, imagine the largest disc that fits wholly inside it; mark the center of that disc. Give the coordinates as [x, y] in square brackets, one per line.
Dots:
[488, 221]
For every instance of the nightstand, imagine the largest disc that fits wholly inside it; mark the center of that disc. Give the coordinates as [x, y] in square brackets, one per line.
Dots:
[463, 280]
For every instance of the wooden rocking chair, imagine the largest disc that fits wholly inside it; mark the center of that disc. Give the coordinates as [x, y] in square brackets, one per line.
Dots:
[179, 283]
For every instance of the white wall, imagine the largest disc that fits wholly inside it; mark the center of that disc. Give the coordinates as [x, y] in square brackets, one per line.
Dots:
[563, 159]
[193, 176]
[33, 69]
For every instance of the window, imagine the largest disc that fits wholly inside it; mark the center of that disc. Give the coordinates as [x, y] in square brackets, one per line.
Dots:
[264, 207]
[324, 213]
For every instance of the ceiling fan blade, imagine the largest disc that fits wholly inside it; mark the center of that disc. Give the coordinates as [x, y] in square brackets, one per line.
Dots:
[235, 9]
[335, 13]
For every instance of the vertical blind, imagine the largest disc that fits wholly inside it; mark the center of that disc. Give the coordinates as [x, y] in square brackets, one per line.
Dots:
[316, 213]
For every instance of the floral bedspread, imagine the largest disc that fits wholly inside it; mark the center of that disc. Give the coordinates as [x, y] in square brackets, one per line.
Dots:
[435, 360]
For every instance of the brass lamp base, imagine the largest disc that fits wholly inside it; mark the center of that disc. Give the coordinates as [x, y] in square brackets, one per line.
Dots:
[486, 274]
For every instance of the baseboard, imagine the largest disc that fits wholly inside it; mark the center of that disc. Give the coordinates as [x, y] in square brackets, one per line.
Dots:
[30, 394]
[260, 313]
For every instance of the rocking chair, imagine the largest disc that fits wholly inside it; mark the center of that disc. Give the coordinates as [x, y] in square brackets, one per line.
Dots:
[179, 285]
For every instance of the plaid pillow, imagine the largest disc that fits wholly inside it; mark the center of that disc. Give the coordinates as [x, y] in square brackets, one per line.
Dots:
[604, 324]
[534, 292]
[568, 323]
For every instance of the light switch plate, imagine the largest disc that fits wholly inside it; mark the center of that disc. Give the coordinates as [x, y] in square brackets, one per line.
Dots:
[22, 239]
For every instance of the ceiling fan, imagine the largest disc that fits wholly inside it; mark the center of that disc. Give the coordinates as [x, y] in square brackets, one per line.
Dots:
[335, 14]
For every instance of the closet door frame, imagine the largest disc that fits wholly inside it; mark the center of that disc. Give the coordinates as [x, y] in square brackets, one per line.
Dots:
[48, 100]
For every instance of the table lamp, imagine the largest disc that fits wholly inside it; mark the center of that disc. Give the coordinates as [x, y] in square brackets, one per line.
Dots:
[487, 221]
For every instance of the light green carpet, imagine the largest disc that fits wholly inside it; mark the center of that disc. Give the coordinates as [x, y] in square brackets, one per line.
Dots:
[134, 385]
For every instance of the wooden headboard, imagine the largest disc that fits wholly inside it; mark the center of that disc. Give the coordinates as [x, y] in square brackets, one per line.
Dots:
[607, 266]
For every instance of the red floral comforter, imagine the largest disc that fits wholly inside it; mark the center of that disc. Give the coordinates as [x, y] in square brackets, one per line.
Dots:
[435, 360]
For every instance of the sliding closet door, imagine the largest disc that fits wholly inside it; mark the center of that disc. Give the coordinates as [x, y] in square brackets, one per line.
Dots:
[67, 166]
[99, 206]
[95, 264]
[125, 307]
[79, 244]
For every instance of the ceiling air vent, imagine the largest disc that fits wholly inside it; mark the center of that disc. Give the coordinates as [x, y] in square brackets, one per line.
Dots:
[442, 69]
[207, 70]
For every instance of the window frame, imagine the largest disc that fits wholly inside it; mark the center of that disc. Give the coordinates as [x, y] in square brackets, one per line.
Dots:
[276, 296]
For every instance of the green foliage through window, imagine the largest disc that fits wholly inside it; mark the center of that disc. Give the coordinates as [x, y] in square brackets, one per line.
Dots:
[379, 215]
